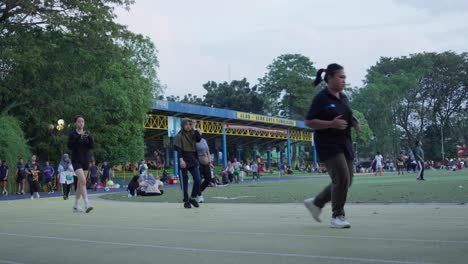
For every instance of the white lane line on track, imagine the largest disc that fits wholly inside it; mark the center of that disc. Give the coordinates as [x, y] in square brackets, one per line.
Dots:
[253, 233]
[4, 261]
[222, 251]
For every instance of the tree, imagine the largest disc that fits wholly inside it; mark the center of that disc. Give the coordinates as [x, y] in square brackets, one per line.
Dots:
[237, 95]
[12, 144]
[288, 86]
[192, 99]
[413, 96]
[65, 58]
[364, 137]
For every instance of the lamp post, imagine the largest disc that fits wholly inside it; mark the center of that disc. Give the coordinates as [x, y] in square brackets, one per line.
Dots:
[56, 132]
[356, 152]
[442, 141]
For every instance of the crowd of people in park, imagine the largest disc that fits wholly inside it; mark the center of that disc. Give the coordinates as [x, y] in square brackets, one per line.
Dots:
[412, 162]
[37, 176]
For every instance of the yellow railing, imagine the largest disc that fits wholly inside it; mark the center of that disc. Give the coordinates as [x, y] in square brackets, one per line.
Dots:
[214, 127]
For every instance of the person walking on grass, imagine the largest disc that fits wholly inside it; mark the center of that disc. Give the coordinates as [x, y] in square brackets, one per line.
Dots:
[33, 177]
[34, 181]
[48, 177]
[185, 145]
[93, 174]
[237, 168]
[204, 157]
[66, 173]
[80, 142]
[401, 163]
[332, 119]
[378, 160]
[20, 176]
[4, 171]
[419, 157]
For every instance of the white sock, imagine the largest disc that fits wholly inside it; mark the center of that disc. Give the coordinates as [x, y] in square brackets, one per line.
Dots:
[75, 205]
[86, 202]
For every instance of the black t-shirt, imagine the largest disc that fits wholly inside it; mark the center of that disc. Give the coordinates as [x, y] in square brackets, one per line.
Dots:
[93, 171]
[332, 141]
[21, 170]
[80, 147]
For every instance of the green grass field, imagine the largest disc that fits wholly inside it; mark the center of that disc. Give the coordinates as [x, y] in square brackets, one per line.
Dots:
[271, 229]
[440, 187]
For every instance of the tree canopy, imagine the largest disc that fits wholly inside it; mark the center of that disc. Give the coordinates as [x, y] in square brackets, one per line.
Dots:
[63, 58]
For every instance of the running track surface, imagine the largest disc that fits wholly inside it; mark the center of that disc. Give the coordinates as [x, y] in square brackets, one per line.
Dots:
[46, 231]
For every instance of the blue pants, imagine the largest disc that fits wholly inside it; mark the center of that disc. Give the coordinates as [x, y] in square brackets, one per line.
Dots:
[195, 171]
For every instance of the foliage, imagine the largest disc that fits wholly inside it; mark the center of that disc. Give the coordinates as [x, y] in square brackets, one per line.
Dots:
[288, 85]
[13, 145]
[237, 95]
[415, 97]
[63, 58]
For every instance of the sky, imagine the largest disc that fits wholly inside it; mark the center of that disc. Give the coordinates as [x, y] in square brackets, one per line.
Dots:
[221, 40]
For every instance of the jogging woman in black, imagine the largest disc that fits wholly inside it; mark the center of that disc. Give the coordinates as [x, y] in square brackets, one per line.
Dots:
[80, 142]
[332, 119]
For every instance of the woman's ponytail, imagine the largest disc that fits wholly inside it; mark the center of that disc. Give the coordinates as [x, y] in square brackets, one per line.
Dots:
[318, 77]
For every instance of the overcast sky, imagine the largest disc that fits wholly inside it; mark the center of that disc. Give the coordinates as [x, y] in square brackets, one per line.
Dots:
[216, 40]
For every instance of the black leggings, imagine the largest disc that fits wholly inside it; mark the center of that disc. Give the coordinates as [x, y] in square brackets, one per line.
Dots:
[33, 186]
[66, 189]
[205, 172]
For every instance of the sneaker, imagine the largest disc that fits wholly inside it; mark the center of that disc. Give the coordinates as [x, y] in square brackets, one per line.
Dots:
[340, 222]
[32, 197]
[194, 202]
[22, 192]
[187, 205]
[313, 209]
[37, 196]
[89, 208]
[77, 210]
[64, 197]
[200, 199]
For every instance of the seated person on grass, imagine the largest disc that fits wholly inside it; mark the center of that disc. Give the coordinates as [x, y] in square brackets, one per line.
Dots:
[150, 186]
[133, 185]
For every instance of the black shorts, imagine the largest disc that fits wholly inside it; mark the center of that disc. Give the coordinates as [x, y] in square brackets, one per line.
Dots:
[93, 180]
[80, 165]
[20, 179]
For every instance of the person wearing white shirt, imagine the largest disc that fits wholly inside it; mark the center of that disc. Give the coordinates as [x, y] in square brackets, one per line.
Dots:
[378, 164]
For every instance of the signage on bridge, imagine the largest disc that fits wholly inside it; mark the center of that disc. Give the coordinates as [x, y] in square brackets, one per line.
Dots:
[265, 119]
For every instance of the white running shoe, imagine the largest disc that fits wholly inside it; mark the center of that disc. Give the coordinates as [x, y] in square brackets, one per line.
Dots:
[340, 222]
[32, 197]
[313, 209]
[37, 196]
[200, 199]
[77, 210]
